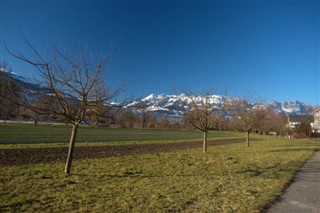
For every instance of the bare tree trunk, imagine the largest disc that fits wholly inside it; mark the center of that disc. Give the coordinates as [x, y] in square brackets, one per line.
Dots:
[309, 134]
[143, 122]
[71, 148]
[248, 139]
[205, 145]
[268, 137]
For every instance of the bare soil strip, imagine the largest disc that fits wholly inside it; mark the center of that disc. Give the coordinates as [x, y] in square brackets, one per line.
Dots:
[25, 156]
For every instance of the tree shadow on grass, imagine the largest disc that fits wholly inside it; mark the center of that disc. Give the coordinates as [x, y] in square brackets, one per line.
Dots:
[158, 176]
[15, 207]
[294, 150]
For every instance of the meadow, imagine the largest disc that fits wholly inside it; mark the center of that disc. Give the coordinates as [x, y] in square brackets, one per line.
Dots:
[229, 178]
[48, 134]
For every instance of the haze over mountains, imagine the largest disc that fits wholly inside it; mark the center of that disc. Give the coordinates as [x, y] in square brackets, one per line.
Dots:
[162, 105]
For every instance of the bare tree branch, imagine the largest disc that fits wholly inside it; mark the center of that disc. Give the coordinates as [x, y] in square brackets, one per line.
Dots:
[74, 87]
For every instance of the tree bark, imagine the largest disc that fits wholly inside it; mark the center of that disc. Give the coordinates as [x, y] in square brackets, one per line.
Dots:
[248, 139]
[143, 122]
[205, 145]
[71, 149]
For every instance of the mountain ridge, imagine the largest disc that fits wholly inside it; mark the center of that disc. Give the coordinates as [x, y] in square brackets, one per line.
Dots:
[173, 106]
[169, 106]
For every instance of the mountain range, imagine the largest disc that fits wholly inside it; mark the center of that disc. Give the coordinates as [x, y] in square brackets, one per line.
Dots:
[173, 106]
[162, 105]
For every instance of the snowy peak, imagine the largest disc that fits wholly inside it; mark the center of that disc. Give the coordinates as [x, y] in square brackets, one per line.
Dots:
[293, 107]
[149, 97]
[173, 106]
[169, 106]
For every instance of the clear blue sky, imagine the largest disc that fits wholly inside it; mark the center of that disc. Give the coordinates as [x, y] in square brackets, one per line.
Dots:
[270, 48]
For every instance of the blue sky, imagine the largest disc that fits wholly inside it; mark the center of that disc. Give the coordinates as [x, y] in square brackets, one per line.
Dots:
[270, 48]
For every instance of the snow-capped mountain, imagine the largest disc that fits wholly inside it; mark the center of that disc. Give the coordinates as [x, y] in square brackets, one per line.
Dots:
[173, 106]
[168, 106]
[293, 107]
[29, 90]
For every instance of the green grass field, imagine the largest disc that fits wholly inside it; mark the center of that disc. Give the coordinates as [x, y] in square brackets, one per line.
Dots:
[32, 134]
[230, 178]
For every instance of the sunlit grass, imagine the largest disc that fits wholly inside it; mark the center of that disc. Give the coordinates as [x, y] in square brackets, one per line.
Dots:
[231, 178]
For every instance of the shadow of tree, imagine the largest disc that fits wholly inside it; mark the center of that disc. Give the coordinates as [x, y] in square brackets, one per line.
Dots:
[294, 150]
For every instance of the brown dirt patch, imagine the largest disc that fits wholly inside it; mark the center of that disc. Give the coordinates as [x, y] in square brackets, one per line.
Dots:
[50, 155]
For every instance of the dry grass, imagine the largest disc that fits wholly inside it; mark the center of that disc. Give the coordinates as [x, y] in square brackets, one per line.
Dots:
[230, 178]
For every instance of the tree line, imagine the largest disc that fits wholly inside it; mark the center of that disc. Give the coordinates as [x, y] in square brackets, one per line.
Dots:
[71, 88]
[237, 114]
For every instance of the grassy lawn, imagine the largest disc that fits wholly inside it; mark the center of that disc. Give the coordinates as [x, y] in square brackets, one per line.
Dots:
[59, 135]
[231, 178]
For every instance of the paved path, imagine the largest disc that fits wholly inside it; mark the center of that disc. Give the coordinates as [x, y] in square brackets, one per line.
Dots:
[303, 195]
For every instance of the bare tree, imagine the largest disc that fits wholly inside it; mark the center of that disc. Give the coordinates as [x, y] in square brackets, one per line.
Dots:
[152, 121]
[8, 91]
[281, 124]
[269, 122]
[75, 88]
[163, 123]
[142, 108]
[204, 114]
[125, 119]
[248, 117]
[274, 121]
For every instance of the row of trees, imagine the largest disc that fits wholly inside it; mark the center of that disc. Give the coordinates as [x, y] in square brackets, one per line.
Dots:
[205, 114]
[75, 91]
[233, 114]
[127, 118]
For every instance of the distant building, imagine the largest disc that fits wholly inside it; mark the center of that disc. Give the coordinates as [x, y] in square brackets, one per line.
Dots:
[316, 123]
[294, 120]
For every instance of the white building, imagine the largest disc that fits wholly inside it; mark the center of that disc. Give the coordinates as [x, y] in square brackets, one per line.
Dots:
[316, 123]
